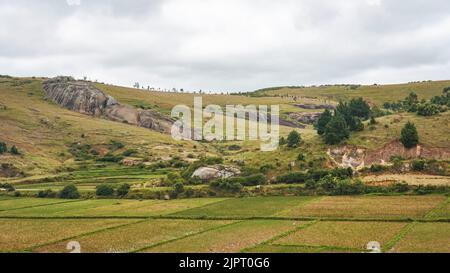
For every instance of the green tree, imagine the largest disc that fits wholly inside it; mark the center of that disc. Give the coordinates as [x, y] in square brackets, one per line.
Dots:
[293, 139]
[123, 189]
[359, 108]
[104, 190]
[3, 148]
[323, 121]
[409, 135]
[69, 192]
[336, 130]
[14, 150]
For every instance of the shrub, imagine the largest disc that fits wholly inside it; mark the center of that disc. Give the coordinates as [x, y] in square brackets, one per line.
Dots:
[399, 187]
[375, 168]
[418, 165]
[110, 158]
[8, 187]
[428, 109]
[69, 192]
[14, 150]
[116, 145]
[129, 152]
[301, 157]
[123, 189]
[254, 180]
[293, 139]
[336, 130]
[46, 194]
[409, 135]
[178, 187]
[3, 148]
[225, 185]
[291, 178]
[348, 187]
[342, 172]
[104, 190]
[266, 168]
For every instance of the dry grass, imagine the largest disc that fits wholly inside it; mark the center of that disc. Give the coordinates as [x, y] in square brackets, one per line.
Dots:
[425, 238]
[411, 179]
[233, 238]
[18, 235]
[137, 236]
[355, 235]
[382, 207]
[377, 94]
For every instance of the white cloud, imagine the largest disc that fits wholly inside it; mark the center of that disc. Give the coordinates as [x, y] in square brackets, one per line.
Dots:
[227, 45]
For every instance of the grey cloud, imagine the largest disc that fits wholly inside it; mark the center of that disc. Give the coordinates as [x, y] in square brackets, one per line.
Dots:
[227, 45]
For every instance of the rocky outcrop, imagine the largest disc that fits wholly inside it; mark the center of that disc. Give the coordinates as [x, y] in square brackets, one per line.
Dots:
[316, 106]
[357, 158]
[215, 172]
[305, 117]
[85, 98]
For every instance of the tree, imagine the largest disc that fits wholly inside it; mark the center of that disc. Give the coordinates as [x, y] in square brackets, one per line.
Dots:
[3, 148]
[293, 139]
[104, 190]
[336, 130]
[123, 189]
[409, 135]
[69, 192]
[14, 150]
[323, 121]
[359, 108]
[410, 102]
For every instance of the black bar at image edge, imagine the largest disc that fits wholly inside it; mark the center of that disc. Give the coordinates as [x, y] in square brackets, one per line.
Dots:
[224, 262]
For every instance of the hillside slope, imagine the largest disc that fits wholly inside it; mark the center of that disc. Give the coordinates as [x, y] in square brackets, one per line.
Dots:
[53, 139]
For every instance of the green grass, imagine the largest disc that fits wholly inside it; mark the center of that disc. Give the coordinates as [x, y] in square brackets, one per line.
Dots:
[110, 208]
[375, 94]
[17, 203]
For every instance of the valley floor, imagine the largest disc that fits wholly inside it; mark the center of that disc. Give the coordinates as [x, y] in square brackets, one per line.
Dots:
[259, 224]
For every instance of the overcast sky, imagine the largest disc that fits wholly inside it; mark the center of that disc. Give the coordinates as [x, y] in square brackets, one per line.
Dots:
[227, 45]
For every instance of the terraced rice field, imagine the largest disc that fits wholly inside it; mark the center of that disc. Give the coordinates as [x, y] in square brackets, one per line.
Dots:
[260, 224]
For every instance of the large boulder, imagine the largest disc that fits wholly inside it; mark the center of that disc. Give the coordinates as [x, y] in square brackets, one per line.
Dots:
[215, 172]
[78, 96]
[83, 97]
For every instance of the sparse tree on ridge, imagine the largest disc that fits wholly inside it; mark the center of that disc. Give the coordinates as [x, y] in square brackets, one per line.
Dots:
[409, 135]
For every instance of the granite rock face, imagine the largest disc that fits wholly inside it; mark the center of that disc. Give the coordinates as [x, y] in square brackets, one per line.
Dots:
[85, 98]
[215, 172]
[306, 117]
